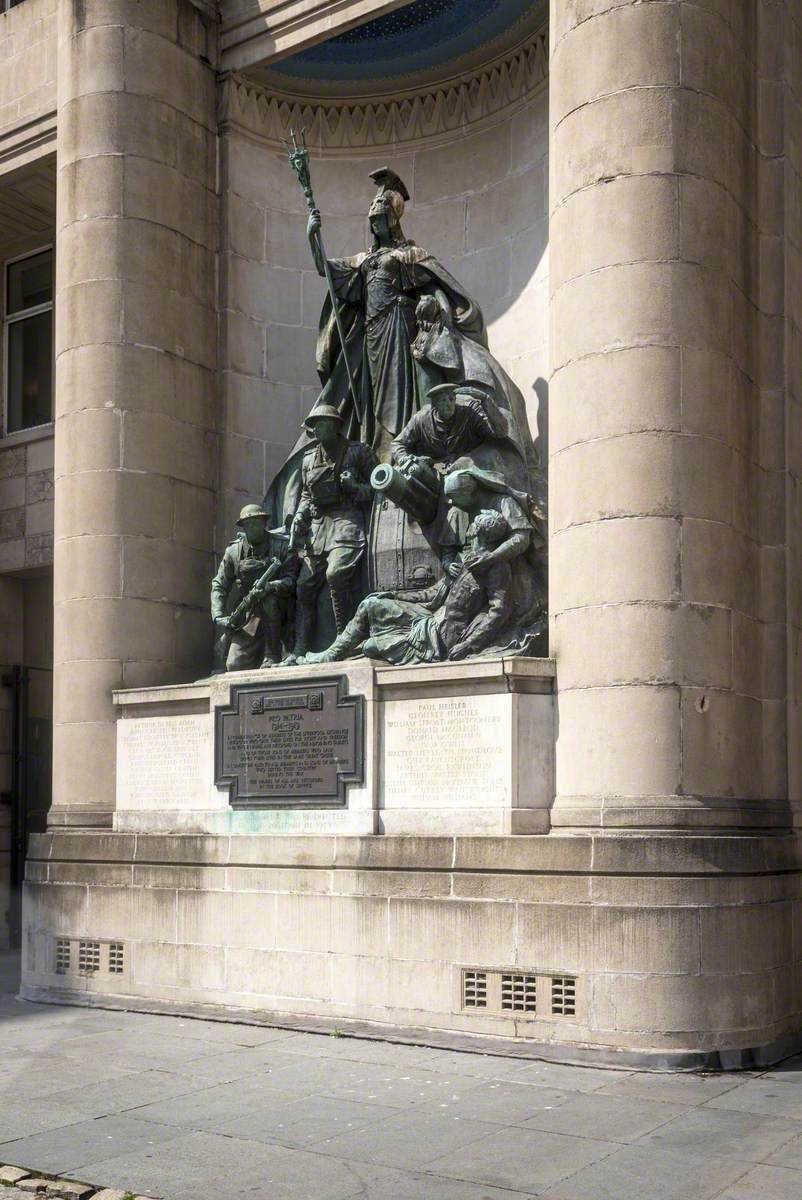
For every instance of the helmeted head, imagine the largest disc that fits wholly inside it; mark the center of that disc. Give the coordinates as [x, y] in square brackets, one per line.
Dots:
[443, 399]
[324, 422]
[387, 209]
[461, 490]
[253, 521]
[489, 529]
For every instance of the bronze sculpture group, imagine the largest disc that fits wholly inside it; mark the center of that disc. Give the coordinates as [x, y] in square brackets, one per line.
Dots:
[407, 523]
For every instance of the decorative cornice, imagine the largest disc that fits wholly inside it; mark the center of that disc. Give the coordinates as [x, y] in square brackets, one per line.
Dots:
[400, 120]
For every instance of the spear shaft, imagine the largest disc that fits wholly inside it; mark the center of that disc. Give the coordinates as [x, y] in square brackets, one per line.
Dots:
[298, 156]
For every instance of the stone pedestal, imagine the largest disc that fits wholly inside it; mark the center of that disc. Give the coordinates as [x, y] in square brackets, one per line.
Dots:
[448, 749]
[664, 952]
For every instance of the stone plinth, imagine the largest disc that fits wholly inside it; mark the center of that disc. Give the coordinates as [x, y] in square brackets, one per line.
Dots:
[448, 749]
[673, 951]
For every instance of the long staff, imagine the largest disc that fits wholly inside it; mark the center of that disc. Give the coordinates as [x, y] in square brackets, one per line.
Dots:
[298, 156]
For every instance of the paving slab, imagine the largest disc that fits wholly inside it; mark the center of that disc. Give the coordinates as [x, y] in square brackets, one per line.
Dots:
[723, 1133]
[788, 1072]
[408, 1185]
[407, 1139]
[644, 1173]
[766, 1183]
[223, 1168]
[559, 1075]
[521, 1158]
[177, 1109]
[210, 1106]
[607, 1118]
[765, 1095]
[63, 1151]
[675, 1089]
[789, 1155]
[502, 1102]
[307, 1122]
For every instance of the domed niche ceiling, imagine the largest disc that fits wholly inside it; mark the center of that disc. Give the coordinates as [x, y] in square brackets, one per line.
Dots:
[426, 41]
[451, 94]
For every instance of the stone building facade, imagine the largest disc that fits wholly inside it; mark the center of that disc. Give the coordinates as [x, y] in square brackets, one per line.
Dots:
[619, 184]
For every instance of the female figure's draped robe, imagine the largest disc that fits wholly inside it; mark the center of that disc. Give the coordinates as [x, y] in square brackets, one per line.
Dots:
[376, 294]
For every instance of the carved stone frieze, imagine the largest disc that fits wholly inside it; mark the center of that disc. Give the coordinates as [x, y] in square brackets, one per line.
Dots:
[404, 119]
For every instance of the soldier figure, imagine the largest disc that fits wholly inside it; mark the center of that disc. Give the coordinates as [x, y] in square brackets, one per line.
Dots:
[262, 571]
[330, 521]
[463, 614]
[452, 424]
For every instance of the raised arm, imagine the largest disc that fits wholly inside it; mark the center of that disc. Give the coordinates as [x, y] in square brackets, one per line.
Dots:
[313, 233]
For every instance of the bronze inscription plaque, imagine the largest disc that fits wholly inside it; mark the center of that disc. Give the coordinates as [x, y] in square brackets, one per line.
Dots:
[290, 744]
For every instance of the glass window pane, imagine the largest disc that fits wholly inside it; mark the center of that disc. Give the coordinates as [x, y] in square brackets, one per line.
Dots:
[30, 372]
[30, 282]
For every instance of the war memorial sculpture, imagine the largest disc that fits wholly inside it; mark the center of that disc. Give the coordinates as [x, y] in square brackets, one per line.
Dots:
[390, 801]
[409, 517]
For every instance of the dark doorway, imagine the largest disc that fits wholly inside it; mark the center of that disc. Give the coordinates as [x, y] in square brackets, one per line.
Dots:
[31, 773]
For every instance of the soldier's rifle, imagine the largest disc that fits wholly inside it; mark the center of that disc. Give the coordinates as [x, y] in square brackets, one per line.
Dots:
[244, 610]
[298, 156]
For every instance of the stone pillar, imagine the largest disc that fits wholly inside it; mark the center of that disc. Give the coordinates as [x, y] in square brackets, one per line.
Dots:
[135, 371]
[666, 410]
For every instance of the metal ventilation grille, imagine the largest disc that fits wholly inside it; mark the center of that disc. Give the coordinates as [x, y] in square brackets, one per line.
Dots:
[116, 958]
[474, 989]
[88, 957]
[563, 996]
[63, 956]
[518, 993]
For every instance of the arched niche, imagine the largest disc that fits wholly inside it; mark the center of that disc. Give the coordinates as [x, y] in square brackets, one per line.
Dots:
[473, 151]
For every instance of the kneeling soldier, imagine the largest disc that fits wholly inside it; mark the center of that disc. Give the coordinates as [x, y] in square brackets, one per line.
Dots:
[261, 570]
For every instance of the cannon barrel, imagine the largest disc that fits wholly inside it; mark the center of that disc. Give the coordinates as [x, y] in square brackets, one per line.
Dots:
[417, 497]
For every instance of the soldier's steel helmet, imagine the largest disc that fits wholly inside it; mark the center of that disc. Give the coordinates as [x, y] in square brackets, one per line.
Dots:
[323, 410]
[461, 389]
[253, 510]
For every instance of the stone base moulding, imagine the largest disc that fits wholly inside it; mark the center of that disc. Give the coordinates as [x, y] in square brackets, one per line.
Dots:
[670, 952]
[449, 748]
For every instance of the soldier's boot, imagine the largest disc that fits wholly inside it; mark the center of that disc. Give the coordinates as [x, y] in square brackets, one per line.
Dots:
[346, 644]
[341, 606]
[273, 653]
[304, 621]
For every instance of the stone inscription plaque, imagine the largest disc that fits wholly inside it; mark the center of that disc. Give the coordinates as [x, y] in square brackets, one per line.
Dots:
[290, 744]
[163, 762]
[453, 752]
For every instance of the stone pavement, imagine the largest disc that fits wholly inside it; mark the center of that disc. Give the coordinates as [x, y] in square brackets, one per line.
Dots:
[197, 1110]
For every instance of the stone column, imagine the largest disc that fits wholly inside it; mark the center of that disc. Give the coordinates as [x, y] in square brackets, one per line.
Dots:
[135, 371]
[667, 585]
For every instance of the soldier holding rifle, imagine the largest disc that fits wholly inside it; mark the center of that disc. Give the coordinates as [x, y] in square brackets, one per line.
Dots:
[261, 570]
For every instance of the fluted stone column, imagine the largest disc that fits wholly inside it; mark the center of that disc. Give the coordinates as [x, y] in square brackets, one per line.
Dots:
[666, 410]
[135, 371]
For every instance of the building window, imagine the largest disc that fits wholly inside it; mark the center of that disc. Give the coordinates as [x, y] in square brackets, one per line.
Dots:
[5, 5]
[29, 341]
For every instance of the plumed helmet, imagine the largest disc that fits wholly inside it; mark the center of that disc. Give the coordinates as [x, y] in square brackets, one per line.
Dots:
[392, 191]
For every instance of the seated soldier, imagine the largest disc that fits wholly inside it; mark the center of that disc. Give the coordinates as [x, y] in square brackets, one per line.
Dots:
[452, 424]
[252, 635]
[451, 619]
